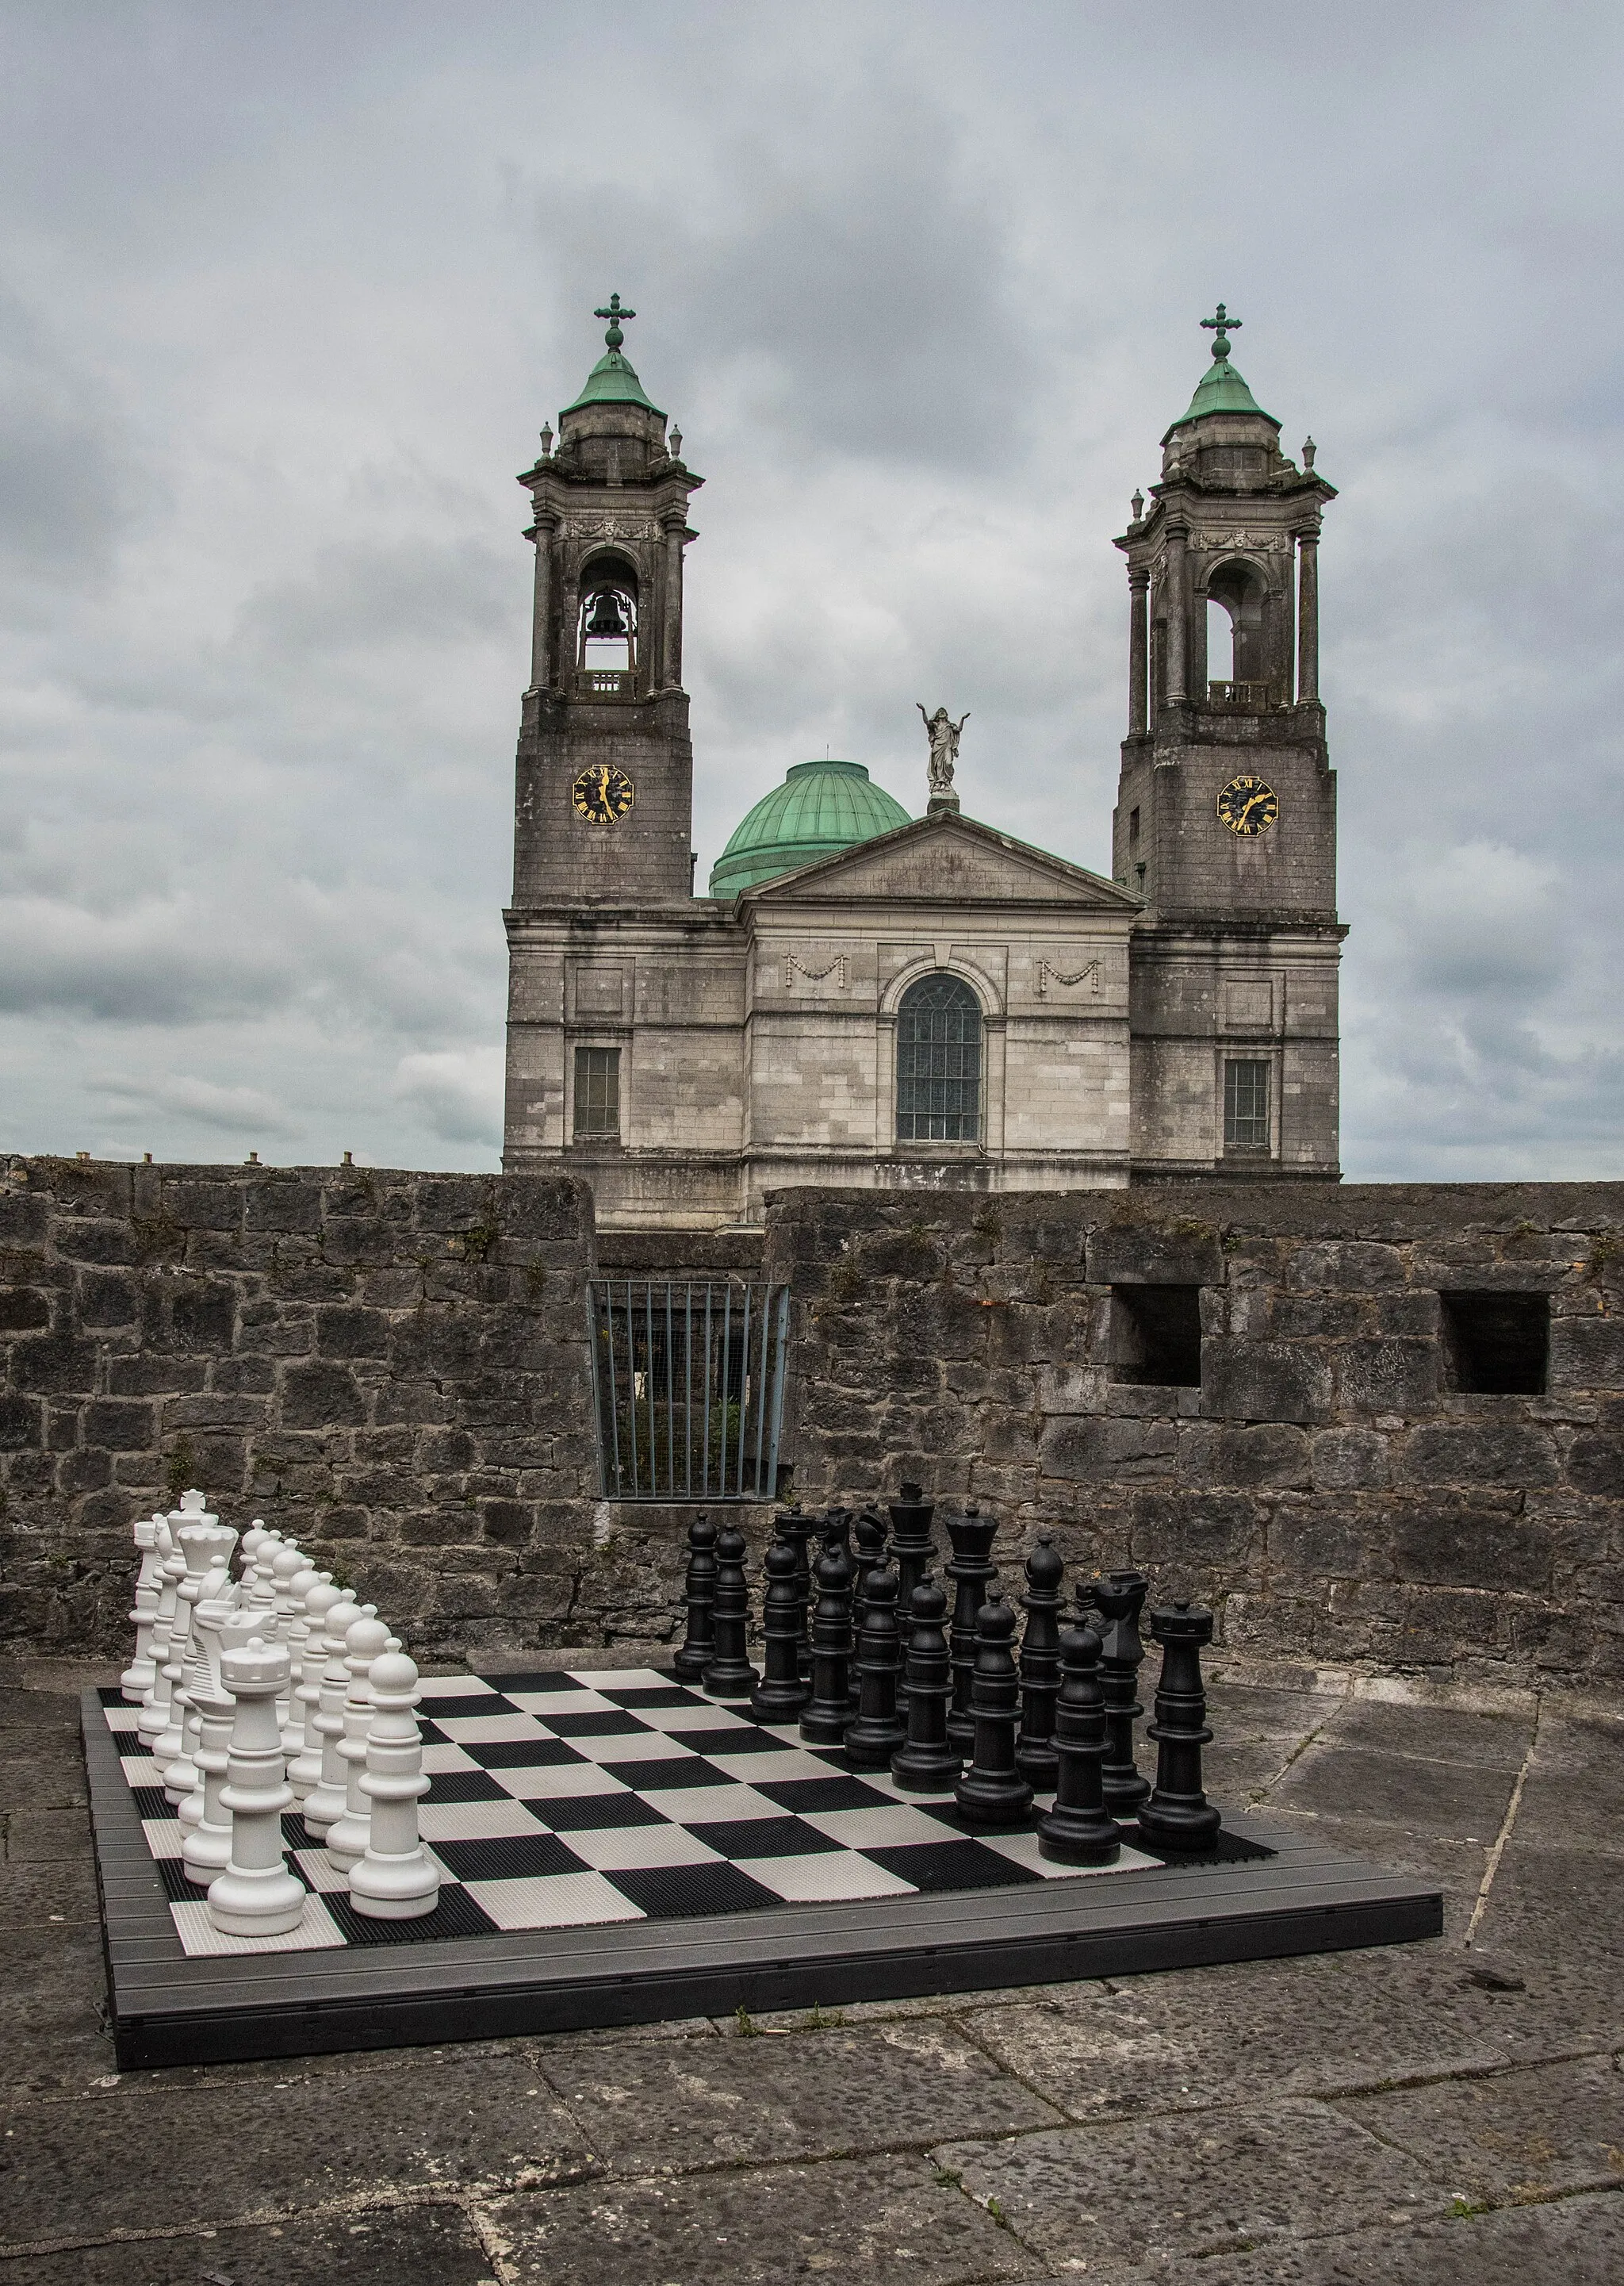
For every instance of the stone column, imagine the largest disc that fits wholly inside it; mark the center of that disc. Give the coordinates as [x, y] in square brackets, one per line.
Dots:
[670, 642]
[1178, 612]
[1139, 649]
[541, 626]
[1308, 618]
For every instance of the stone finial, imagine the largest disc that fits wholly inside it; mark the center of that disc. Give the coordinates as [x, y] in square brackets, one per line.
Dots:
[546, 440]
[1308, 453]
[1138, 506]
[676, 444]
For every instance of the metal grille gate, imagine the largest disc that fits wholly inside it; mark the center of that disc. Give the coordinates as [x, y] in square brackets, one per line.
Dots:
[688, 1384]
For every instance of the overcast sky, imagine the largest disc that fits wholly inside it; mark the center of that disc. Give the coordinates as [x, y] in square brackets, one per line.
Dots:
[287, 291]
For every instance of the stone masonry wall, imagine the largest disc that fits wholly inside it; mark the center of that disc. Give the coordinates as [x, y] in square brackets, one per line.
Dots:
[1323, 1488]
[392, 1367]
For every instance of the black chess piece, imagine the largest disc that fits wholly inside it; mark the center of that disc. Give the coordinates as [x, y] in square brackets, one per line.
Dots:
[868, 1532]
[879, 1730]
[992, 1792]
[797, 1528]
[912, 1552]
[1119, 1598]
[700, 1592]
[728, 1674]
[837, 1529]
[783, 1691]
[1079, 1829]
[1034, 1748]
[968, 1569]
[1178, 1816]
[829, 1710]
[927, 1763]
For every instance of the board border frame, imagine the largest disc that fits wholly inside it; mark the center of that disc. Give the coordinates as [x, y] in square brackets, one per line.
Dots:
[166, 2009]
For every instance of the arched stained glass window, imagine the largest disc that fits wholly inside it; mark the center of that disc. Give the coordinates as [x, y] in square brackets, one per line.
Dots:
[938, 1062]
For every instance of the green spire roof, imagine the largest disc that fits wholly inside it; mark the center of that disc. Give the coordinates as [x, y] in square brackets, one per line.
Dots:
[1221, 389]
[612, 380]
[822, 809]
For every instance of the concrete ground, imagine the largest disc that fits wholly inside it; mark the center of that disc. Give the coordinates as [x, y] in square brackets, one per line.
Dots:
[1448, 2111]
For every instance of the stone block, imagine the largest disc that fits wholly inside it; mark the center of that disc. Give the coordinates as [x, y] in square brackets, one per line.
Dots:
[106, 1242]
[1329, 1537]
[152, 1372]
[281, 1202]
[1394, 1376]
[55, 1364]
[321, 1394]
[24, 1310]
[1179, 1253]
[1595, 1464]
[1070, 1389]
[83, 1471]
[1467, 1543]
[1196, 1528]
[276, 1329]
[23, 1220]
[202, 1314]
[1480, 1452]
[342, 1330]
[1350, 1460]
[1264, 1381]
[107, 1297]
[122, 1424]
[202, 1205]
[1587, 1353]
[1083, 1447]
[1252, 1458]
[1347, 1264]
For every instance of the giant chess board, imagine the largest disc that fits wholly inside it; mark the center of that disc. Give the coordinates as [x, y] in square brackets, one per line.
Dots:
[617, 1847]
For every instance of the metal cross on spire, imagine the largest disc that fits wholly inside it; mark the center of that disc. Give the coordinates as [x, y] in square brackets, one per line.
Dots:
[1218, 326]
[615, 313]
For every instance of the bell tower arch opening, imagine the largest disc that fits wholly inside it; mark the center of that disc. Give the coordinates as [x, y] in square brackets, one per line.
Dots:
[607, 617]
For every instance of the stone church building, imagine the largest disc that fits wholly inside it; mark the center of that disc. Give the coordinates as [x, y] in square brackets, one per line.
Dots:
[873, 1001]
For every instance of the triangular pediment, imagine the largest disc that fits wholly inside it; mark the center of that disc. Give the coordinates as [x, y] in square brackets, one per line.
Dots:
[937, 861]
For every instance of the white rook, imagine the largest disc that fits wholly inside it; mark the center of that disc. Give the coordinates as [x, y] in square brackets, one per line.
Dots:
[348, 1836]
[256, 1895]
[395, 1880]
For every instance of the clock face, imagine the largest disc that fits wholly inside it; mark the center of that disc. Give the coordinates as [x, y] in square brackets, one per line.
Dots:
[1247, 805]
[602, 793]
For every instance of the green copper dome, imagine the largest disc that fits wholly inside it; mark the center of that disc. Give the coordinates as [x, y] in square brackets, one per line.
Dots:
[612, 380]
[1221, 389]
[822, 809]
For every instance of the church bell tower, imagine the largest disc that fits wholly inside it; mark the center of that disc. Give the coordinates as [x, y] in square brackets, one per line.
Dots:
[604, 808]
[1225, 812]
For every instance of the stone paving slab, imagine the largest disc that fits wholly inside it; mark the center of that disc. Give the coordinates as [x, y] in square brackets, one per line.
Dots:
[1450, 1801]
[1193, 2184]
[1439, 1734]
[808, 2095]
[1517, 2135]
[896, 2222]
[435, 2245]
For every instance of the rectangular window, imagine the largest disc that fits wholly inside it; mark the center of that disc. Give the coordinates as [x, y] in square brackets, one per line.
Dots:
[1496, 1343]
[1245, 1104]
[597, 1092]
[1155, 1336]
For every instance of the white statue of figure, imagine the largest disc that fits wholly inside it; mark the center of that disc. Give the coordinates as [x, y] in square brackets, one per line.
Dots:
[943, 733]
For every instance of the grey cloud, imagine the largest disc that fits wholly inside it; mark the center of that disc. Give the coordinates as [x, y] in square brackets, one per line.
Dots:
[237, 1110]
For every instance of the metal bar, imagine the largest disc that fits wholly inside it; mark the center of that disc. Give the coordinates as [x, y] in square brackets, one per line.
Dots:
[592, 1352]
[637, 1471]
[727, 1366]
[761, 1398]
[706, 1419]
[654, 1449]
[613, 1470]
[782, 1314]
[670, 1399]
[687, 1367]
[744, 1388]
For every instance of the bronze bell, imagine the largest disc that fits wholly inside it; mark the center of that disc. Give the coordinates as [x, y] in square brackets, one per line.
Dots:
[608, 623]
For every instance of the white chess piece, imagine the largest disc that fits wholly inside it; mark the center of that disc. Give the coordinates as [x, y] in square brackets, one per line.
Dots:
[247, 1553]
[192, 1512]
[137, 1679]
[293, 1574]
[206, 1823]
[324, 1805]
[154, 1720]
[348, 1836]
[256, 1895]
[208, 1547]
[395, 1880]
[304, 1766]
[259, 1593]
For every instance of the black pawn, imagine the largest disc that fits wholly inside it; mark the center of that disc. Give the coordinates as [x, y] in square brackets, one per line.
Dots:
[992, 1792]
[927, 1765]
[798, 1529]
[828, 1712]
[1079, 1829]
[728, 1674]
[1178, 1815]
[879, 1730]
[969, 1571]
[1034, 1749]
[783, 1691]
[1120, 1596]
[699, 1590]
[869, 1534]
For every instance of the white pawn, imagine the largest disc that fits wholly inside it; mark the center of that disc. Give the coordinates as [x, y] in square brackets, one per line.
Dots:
[396, 1880]
[247, 1552]
[348, 1836]
[154, 1720]
[208, 1547]
[324, 1805]
[304, 1766]
[259, 1593]
[206, 1823]
[256, 1895]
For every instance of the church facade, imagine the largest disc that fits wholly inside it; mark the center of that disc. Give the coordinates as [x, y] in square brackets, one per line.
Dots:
[878, 1002]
